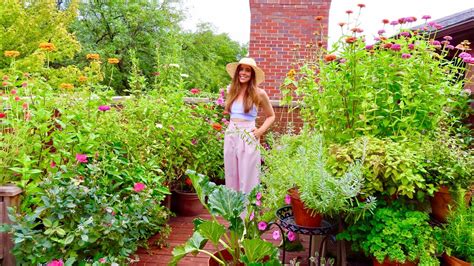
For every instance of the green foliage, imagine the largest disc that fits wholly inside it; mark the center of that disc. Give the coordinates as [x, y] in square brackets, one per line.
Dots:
[301, 162]
[457, 236]
[230, 205]
[394, 232]
[81, 217]
[390, 168]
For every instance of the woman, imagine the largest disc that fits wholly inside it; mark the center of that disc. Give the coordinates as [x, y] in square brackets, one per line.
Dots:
[241, 141]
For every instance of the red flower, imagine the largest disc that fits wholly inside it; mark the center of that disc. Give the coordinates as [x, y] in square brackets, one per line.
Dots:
[349, 12]
[361, 5]
[195, 91]
[351, 39]
[319, 18]
[3, 115]
[188, 181]
[217, 126]
[329, 57]
[385, 21]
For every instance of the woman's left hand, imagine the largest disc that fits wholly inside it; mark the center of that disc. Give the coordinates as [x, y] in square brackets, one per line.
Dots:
[256, 133]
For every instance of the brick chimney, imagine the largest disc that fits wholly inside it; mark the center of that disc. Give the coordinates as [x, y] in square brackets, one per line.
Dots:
[276, 27]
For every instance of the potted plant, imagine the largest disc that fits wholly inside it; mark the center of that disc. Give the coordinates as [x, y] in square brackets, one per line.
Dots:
[297, 164]
[449, 169]
[239, 234]
[456, 235]
[185, 200]
[394, 235]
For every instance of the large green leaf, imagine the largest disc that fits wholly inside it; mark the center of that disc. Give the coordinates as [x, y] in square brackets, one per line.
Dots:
[226, 202]
[193, 245]
[257, 249]
[212, 230]
[201, 184]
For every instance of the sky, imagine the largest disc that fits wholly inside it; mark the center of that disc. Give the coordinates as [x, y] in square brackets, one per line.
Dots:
[233, 16]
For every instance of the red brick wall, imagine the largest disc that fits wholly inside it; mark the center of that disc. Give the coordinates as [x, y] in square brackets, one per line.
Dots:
[277, 27]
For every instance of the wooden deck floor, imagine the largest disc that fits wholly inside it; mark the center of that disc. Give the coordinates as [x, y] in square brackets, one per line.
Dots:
[182, 229]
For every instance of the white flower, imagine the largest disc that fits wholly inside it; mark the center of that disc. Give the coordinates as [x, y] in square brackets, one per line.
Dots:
[159, 125]
[174, 65]
[184, 75]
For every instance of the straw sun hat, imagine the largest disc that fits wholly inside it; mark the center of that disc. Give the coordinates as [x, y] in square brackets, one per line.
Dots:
[259, 74]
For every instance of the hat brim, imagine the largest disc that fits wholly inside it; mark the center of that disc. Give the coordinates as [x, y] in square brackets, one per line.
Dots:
[259, 74]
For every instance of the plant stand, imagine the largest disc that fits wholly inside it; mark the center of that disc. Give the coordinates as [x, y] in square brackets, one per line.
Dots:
[9, 197]
[326, 231]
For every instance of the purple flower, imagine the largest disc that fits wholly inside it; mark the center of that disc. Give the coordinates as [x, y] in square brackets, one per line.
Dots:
[448, 38]
[82, 158]
[380, 32]
[104, 108]
[410, 19]
[468, 60]
[450, 47]
[394, 23]
[287, 199]
[411, 46]
[194, 141]
[406, 56]
[259, 195]
[252, 215]
[426, 17]
[276, 234]
[262, 225]
[405, 34]
[435, 43]
[291, 236]
[396, 47]
[464, 55]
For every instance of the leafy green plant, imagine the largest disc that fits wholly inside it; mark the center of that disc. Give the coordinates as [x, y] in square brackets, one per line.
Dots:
[301, 161]
[456, 234]
[242, 240]
[395, 232]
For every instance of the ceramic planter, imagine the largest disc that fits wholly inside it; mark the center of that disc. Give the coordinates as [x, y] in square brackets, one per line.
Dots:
[453, 261]
[303, 216]
[441, 201]
[186, 204]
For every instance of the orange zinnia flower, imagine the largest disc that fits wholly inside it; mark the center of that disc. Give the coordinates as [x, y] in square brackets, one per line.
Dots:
[47, 46]
[217, 126]
[82, 79]
[329, 57]
[93, 56]
[351, 39]
[113, 61]
[66, 86]
[11, 53]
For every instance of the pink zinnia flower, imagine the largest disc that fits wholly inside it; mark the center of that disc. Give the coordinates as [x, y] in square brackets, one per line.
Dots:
[426, 17]
[287, 199]
[24, 106]
[450, 47]
[259, 195]
[104, 108]
[262, 225]
[194, 141]
[17, 98]
[102, 260]
[464, 55]
[52, 164]
[396, 47]
[405, 34]
[448, 38]
[406, 56]
[55, 263]
[194, 90]
[138, 187]
[252, 215]
[13, 92]
[82, 158]
[380, 32]
[276, 234]
[394, 23]
[24, 84]
[258, 203]
[411, 46]
[291, 236]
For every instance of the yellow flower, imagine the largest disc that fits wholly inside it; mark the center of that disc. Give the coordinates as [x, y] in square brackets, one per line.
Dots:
[11, 53]
[82, 78]
[291, 74]
[113, 61]
[66, 86]
[93, 56]
[47, 46]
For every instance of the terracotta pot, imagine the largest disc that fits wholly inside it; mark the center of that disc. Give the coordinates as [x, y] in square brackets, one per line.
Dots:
[226, 256]
[453, 261]
[186, 204]
[387, 262]
[303, 216]
[441, 201]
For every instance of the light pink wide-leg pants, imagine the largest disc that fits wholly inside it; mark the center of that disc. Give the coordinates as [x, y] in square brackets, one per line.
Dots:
[241, 156]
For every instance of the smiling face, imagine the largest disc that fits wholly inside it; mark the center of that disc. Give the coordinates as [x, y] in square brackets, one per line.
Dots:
[245, 73]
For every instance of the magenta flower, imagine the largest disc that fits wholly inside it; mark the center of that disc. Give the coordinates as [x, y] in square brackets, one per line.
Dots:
[464, 55]
[406, 56]
[405, 34]
[194, 141]
[194, 90]
[262, 225]
[52, 164]
[448, 38]
[411, 46]
[55, 263]
[380, 32]
[450, 47]
[276, 234]
[102, 260]
[82, 158]
[138, 187]
[259, 196]
[104, 108]
[287, 199]
[468, 60]
[252, 215]
[410, 19]
[394, 23]
[426, 17]
[258, 203]
[291, 236]
[396, 47]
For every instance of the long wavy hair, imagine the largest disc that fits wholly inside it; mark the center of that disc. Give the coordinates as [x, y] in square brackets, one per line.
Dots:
[250, 96]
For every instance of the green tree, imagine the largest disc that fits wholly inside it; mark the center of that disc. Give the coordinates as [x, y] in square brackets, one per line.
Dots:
[113, 28]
